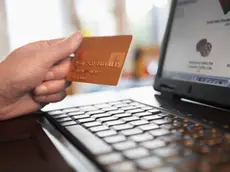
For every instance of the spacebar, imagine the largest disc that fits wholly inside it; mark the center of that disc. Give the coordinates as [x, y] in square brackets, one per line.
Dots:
[95, 145]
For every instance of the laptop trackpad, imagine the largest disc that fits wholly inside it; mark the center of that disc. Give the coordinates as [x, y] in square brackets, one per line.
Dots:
[25, 147]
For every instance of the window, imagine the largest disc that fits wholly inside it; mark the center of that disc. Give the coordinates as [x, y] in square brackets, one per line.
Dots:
[33, 20]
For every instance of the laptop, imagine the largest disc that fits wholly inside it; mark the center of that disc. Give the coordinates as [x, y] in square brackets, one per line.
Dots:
[180, 125]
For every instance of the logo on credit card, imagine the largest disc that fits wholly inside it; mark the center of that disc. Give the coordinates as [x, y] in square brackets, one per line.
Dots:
[225, 5]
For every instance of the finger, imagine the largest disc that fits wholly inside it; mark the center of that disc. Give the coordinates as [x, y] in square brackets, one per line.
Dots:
[50, 42]
[44, 43]
[51, 87]
[53, 98]
[21, 109]
[54, 41]
[59, 71]
[63, 49]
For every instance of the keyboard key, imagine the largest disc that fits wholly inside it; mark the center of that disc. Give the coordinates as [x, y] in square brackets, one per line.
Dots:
[60, 116]
[127, 101]
[135, 103]
[135, 111]
[141, 137]
[193, 127]
[191, 164]
[217, 158]
[106, 133]
[64, 119]
[99, 128]
[106, 119]
[68, 123]
[76, 113]
[136, 153]
[122, 127]
[115, 103]
[80, 117]
[141, 114]
[154, 111]
[140, 106]
[172, 138]
[92, 124]
[211, 141]
[115, 139]
[124, 145]
[122, 167]
[95, 112]
[189, 142]
[160, 132]
[82, 121]
[89, 140]
[109, 109]
[121, 105]
[148, 127]
[147, 108]
[111, 158]
[222, 168]
[131, 132]
[177, 160]
[89, 108]
[57, 112]
[153, 144]
[101, 115]
[139, 122]
[168, 126]
[149, 163]
[128, 119]
[112, 123]
[163, 114]
[152, 117]
[122, 115]
[114, 112]
[166, 169]
[177, 123]
[208, 132]
[161, 121]
[167, 152]
[169, 118]
[227, 137]
[129, 108]
[68, 110]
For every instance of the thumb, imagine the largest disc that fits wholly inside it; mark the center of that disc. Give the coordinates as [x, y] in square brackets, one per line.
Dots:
[64, 48]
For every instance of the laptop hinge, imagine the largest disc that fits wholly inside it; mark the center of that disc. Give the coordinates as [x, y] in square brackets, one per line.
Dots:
[169, 95]
[168, 91]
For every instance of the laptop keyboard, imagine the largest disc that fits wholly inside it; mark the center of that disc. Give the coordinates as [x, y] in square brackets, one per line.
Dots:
[128, 136]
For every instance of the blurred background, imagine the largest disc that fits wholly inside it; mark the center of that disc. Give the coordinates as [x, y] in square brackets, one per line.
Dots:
[24, 21]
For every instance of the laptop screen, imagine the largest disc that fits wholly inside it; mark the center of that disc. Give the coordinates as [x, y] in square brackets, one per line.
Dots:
[199, 48]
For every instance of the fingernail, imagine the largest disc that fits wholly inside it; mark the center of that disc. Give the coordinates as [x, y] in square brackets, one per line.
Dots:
[68, 83]
[49, 76]
[41, 90]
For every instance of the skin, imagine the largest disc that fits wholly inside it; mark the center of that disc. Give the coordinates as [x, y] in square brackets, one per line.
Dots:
[33, 76]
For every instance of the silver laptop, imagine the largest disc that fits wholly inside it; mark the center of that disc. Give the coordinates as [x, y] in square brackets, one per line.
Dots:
[181, 126]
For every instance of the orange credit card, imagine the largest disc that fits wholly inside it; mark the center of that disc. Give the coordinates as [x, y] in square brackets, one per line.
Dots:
[99, 60]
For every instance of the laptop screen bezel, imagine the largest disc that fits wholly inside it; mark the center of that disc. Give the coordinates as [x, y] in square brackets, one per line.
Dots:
[209, 94]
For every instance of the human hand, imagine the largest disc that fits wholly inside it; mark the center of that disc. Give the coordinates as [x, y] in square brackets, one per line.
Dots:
[34, 75]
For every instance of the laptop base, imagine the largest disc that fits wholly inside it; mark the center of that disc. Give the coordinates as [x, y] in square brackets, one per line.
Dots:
[127, 135]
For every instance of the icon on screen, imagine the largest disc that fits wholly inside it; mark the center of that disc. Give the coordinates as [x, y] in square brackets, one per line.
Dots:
[204, 47]
[225, 5]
